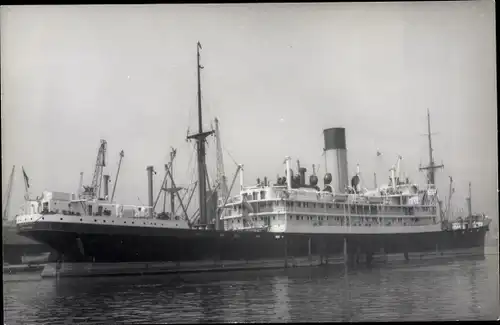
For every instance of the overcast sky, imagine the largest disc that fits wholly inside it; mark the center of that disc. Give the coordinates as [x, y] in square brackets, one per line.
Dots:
[275, 75]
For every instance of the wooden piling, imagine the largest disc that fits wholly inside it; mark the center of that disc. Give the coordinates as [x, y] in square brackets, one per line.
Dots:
[309, 247]
[345, 250]
[285, 239]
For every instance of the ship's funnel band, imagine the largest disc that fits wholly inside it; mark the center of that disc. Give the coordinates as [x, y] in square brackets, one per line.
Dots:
[336, 157]
[334, 138]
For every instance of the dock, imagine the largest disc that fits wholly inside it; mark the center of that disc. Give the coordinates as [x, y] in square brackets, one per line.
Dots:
[23, 268]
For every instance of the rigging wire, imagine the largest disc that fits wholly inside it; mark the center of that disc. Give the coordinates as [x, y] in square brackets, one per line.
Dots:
[230, 156]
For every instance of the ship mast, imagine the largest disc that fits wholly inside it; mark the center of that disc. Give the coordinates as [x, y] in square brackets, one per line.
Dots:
[200, 146]
[432, 165]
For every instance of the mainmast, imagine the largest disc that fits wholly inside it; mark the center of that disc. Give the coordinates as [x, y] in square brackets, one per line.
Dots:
[200, 146]
[432, 165]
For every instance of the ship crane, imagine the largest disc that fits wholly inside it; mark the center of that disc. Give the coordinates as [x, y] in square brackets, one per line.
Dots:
[93, 191]
[117, 173]
[164, 188]
[8, 193]
[221, 176]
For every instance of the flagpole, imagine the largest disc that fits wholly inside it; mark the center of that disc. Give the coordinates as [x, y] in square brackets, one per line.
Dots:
[26, 185]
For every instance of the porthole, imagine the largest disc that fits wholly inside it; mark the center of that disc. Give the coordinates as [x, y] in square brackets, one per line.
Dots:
[43, 218]
[132, 222]
[60, 219]
[81, 219]
[124, 222]
[104, 221]
[95, 220]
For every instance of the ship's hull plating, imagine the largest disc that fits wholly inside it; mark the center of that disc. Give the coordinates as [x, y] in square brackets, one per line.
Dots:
[16, 248]
[116, 244]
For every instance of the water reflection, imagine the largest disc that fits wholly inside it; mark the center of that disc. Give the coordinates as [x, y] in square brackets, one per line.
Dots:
[446, 291]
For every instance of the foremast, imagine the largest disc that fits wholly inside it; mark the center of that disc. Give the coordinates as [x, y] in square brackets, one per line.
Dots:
[200, 138]
[432, 165]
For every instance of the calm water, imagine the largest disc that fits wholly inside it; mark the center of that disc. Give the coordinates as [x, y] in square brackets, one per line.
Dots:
[458, 290]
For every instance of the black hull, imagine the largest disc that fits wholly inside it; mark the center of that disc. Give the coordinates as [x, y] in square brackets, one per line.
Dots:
[119, 244]
[13, 254]
[15, 246]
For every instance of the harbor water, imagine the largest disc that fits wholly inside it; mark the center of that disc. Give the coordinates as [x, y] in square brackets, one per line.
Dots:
[454, 290]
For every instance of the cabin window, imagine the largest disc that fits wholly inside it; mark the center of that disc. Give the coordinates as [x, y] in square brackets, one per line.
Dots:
[291, 204]
[298, 204]
[290, 217]
[263, 195]
[90, 210]
[321, 205]
[301, 217]
[329, 206]
[274, 217]
[306, 205]
[314, 205]
[99, 210]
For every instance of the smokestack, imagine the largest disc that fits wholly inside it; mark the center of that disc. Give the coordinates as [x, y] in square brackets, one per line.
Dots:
[150, 190]
[469, 203]
[302, 172]
[288, 174]
[336, 154]
[265, 181]
[106, 187]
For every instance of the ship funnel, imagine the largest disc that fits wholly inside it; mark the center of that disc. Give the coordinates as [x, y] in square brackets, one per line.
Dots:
[150, 190]
[336, 156]
[302, 172]
[106, 187]
[288, 173]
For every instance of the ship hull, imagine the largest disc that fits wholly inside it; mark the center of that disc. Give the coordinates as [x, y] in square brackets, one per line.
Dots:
[176, 250]
[18, 249]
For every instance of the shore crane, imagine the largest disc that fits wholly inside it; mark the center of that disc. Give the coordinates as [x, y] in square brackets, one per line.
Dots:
[94, 190]
[8, 193]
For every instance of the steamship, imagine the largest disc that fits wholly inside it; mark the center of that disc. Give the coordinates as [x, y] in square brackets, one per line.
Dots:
[286, 223]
